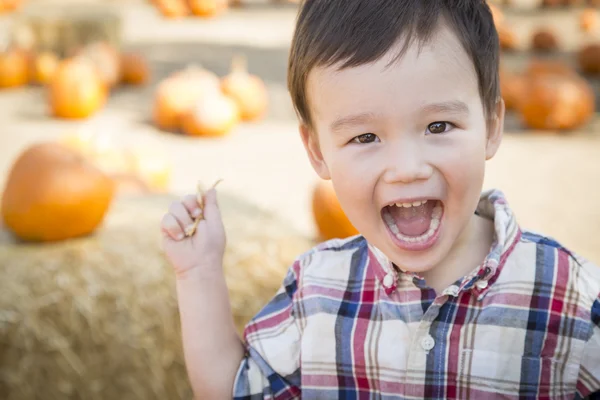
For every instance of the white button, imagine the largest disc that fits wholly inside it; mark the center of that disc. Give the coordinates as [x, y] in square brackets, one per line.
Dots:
[427, 343]
[482, 284]
[453, 290]
[388, 281]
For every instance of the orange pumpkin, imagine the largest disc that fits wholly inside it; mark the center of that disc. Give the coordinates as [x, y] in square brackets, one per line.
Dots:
[541, 67]
[76, 90]
[329, 217]
[212, 115]
[134, 69]
[513, 88]
[508, 38]
[52, 193]
[557, 102]
[173, 8]
[14, 69]
[43, 67]
[207, 8]
[589, 20]
[589, 59]
[106, 59]
[176, 95]
[544, 40]
[248, 91]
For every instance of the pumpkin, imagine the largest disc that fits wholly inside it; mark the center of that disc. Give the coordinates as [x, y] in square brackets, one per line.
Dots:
[513, 88]
[589, 20]
[557, 102]
[330, 219]
[589, 59]
[151, 166]
[14, 70]
[248, 91]
[207, 8]
[53, 193]
[106, 59]
[76, 90]
[134, 69]
[177, 94]
[43, 67]
[173, 8]
[544, 40]
[9, 5]
[212, 115]
[507, 37]
[99, 149]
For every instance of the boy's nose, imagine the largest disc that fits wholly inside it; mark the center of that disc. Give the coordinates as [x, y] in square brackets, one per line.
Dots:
[406, 163]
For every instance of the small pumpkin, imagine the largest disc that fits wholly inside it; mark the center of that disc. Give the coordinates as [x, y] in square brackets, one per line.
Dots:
[557, 102]
[508, 38]
[106, 59]
[207, 8]
[513, 88]
[248, 91]
[212, 115]
[151, 166]
[330, 219]
[100, 149]
[134, 69]
[53, 193]
[540, 67]
[43, 67]
[589, 20]
[173, 8]
[76, 90]
[589, 59]
[177, 94]
[544, 40]
[14, 66]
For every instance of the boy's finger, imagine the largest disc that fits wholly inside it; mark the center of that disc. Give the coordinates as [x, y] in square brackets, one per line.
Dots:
[191, 204]
[171, 227]
[181, 214]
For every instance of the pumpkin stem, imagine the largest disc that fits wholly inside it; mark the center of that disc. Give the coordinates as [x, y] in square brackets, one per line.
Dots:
[239, 64]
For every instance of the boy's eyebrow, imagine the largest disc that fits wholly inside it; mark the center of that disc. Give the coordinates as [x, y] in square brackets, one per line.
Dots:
[352, 120]
[451, 107]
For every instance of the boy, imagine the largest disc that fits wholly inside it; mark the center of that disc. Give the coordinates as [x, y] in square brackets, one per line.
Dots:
[442, 295]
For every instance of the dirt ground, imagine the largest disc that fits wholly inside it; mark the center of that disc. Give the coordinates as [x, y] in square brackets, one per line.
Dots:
[551, 180]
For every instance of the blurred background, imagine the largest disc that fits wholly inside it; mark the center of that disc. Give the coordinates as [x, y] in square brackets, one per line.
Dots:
[110, 110]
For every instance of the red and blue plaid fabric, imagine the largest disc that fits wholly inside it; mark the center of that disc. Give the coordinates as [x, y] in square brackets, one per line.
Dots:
[524, 325]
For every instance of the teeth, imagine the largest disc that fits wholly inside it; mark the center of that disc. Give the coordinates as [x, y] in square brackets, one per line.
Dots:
[435, 223]
[437, 212]
[413, 204]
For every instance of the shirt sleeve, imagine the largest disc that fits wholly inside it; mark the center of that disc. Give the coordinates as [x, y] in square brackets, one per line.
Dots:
[271, 367]
[588, 384]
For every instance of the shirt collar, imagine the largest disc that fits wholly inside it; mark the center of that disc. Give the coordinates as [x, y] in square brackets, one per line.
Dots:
[492, 205]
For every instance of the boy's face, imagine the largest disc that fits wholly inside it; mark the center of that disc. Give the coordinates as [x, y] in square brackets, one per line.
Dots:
[401, 134]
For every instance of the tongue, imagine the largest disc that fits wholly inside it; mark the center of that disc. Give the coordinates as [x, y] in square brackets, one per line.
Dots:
[413, 221]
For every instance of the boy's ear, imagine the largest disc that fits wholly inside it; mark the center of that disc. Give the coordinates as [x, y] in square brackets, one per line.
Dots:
[495, 130]
[311, 144]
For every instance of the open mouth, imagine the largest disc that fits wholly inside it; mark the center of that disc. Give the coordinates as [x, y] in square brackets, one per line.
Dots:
[415, 225]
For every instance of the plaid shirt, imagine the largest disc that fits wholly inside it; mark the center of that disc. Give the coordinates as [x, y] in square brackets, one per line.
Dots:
[347, 325]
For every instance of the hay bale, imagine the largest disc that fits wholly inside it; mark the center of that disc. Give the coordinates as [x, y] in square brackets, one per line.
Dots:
[97, 318]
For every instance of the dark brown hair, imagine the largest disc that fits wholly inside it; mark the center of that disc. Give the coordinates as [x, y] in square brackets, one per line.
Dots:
[356, 32]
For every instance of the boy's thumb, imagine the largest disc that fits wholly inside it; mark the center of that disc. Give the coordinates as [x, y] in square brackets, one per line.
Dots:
[211, 207]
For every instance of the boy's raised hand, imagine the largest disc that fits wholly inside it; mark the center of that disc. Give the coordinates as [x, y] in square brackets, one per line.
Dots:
[203, 251]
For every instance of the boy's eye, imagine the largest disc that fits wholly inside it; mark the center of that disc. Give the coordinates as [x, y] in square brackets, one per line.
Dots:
[365, 138]
[439, 127]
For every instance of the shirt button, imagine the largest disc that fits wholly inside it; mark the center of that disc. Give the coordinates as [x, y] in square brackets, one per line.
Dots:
[481, 284]
[453, 290]
[427, 343]
[388, 280]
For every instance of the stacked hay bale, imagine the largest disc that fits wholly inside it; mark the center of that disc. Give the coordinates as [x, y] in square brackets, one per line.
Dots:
[97, 317]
